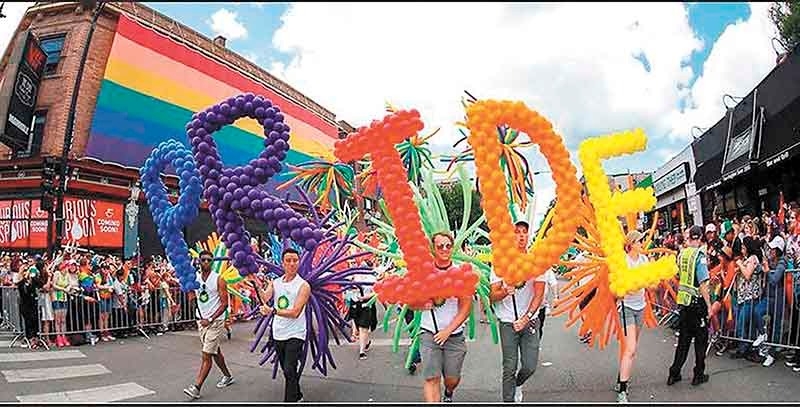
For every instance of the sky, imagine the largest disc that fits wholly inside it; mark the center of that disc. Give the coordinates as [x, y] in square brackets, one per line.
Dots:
[589, 68]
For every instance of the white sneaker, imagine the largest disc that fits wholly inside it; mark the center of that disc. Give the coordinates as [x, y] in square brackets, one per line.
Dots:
[759, 340]
[225, 381]
[518, 394]
[768, 361]
[622, 397]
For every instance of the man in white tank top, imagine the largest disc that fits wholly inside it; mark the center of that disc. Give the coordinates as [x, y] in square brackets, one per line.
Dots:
[517, 309]
[291, 295]
[442, 337]
[212, 301]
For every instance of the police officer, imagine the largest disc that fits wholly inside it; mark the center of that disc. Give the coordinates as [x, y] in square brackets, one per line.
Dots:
[693, 272]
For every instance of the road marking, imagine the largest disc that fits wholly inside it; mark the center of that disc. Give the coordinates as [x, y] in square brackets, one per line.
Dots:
[104, 394]
[34, 356]
[54, 373]
[385, 342]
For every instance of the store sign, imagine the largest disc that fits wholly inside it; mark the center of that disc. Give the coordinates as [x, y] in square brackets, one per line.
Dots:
[21, 102]
[739, 145]
[89, 222]
[93, 223]
[673, 179]
[23, 224]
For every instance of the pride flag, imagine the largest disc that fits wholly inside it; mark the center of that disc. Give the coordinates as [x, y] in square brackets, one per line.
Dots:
[151, 87]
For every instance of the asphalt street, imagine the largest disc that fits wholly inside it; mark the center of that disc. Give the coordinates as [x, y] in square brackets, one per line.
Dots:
[138, 369]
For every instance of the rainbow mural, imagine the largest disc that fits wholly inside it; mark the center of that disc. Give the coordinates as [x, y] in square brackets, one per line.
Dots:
[151, 87]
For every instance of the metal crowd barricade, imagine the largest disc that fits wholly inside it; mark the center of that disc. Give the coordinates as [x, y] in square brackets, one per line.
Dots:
[11, 322]
[769, 322]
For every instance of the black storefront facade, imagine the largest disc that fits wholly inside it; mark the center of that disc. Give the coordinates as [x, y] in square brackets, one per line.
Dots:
[750, 155]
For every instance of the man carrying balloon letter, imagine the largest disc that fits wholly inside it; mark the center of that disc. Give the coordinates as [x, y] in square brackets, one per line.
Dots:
[442, 343]
[517, 309]
[693, 276]
[291, 295]
[212, 302]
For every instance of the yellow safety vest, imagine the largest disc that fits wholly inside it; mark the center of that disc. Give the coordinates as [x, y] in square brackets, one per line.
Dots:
[687, 259]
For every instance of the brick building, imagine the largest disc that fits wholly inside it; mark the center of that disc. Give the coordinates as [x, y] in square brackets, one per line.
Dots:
[110, 142]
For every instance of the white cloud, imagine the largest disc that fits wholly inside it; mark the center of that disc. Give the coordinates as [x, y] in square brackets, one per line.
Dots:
[738, 61]
[574, 63]
[251, 56]
[8, 25]
[225, 23]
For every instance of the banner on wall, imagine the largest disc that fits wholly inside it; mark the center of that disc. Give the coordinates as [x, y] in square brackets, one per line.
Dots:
[90, 222]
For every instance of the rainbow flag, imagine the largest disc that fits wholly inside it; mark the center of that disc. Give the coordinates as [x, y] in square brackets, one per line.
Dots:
[151, 87]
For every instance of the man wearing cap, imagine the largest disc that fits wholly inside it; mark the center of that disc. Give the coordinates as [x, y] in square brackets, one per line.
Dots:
[694, 301]
[776, 264]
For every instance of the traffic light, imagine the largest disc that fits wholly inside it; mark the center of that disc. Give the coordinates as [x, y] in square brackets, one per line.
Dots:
[49, 170]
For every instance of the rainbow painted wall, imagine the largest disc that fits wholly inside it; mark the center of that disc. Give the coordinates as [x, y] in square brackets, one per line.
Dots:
[151, 87]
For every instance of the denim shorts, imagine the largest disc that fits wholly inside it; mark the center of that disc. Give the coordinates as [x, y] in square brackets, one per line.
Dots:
[57, 305]
[105, 305]
[632, 317]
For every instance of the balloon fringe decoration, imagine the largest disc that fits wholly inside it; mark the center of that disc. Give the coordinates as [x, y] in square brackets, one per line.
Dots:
[333, 183]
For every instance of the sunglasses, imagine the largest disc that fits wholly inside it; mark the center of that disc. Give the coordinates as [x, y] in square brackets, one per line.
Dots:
[205, 260]
[444, 246]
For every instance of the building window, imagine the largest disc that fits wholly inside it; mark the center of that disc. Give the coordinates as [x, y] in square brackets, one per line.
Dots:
[52, 46]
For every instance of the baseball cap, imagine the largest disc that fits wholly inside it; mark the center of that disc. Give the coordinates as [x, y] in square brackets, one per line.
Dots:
[633, 236]
[711, 228]
[777, 243]
[727, 226]
[696, 232]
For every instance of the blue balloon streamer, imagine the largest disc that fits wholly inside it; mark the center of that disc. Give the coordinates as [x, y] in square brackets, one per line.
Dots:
[171, 219]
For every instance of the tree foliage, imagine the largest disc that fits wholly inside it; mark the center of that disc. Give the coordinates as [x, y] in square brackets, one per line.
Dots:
[786, 17]
[454, 203]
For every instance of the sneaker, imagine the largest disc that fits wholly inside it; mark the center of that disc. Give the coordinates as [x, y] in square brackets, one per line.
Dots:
[447, 399]
[362, 356]
[412, 369]
[93, 340]
[673, 379]
[698, 380]
[192, 391]
[225, 381]
[759, 340]
[518, 395]
[366, 348]
[622, 397]
[796, 369]
[768, 361]
[111, 338]
[790, 363]
[105, 339]
[720, 352]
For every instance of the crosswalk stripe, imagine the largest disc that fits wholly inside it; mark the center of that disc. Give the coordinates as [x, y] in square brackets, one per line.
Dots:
[104, 394]
[35, 356]
[54, 373]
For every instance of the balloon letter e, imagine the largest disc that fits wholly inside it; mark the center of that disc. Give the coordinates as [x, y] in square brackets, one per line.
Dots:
[608, 207]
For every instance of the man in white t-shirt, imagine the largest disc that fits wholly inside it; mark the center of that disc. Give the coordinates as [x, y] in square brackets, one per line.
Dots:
[442, 342]
[517, 308]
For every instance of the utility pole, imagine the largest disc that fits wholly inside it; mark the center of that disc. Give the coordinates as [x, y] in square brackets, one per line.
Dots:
[68, 133]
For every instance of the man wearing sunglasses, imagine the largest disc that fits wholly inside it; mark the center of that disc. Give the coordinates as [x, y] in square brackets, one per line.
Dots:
[517, 309]
[442, 342]
[212, 302]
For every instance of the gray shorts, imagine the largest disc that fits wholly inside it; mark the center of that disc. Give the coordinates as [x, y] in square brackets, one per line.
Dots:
[632, 317]
[445, 360]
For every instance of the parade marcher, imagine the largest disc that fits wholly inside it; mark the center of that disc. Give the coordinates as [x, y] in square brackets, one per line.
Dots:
[517, 309]
[694, 301]
[442, 343]
[212, 301]
[631, 309]
[291, 295]
[365, 317]
[551, 287]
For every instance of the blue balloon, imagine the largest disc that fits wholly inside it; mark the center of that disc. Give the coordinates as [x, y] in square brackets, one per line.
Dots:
[171, 219]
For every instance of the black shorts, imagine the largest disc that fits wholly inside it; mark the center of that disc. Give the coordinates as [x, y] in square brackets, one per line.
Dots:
[364, 317]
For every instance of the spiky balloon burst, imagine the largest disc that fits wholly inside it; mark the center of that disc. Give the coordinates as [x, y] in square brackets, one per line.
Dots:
[332, 182]
[319, 268]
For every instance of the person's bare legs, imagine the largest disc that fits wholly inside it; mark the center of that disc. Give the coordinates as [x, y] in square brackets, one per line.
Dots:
[363, 339]
[630, 342]
[219, 360]
[432, 391]
[450, 384]
[205, 367]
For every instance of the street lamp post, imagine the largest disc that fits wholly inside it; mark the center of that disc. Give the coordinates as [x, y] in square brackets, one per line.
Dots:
[68, 132]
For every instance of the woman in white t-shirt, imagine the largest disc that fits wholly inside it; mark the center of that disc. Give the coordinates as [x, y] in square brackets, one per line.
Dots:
[631, 310]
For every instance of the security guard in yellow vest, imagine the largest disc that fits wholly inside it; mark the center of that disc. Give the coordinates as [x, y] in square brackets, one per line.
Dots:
[694, 302]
